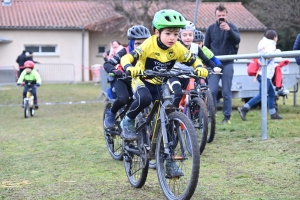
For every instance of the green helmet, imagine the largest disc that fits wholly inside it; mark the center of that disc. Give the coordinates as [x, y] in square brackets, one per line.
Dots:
[168, 19]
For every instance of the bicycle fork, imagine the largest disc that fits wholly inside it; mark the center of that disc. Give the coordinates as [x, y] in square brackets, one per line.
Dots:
[167, 105]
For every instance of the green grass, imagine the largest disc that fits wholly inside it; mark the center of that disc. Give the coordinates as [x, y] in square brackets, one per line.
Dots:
[60, 153]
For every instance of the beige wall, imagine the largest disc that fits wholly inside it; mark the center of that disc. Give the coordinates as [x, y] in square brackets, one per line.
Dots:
[69, 44]
[249, 42]
[96, 39]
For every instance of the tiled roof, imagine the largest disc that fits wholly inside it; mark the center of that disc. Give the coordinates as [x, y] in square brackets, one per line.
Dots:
[99, 15]
[52, 14]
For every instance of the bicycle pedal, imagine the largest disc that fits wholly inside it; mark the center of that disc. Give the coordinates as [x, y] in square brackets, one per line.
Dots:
[172, 178]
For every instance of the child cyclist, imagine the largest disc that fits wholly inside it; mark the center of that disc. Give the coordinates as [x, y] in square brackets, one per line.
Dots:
[136, 36]
[186, 36]
[199, 39]
[30, 75]
[160, 51]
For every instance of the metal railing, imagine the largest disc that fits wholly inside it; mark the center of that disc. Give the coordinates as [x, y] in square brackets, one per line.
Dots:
[104, 85]
[8, 75]
[56, 72]
[264, 56]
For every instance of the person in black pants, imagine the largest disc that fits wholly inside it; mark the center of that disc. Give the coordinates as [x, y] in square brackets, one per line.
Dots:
[136, 36]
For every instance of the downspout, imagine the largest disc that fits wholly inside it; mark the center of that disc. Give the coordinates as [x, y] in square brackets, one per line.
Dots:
[82, 56]
[196, 12]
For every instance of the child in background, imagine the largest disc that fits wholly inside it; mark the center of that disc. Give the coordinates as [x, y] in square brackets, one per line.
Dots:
[30, 75]
[177, 84]
[199, 39]
[136, 36]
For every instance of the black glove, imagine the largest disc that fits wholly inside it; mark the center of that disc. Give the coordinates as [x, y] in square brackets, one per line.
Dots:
[117, 72]
[37, 85]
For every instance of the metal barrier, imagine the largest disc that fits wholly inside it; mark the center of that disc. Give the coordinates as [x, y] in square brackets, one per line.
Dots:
[264, 78]
[56, 72]
[8, 75]
[104, 85]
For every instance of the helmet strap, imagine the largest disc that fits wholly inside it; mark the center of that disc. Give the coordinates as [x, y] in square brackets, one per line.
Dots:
[160, 44]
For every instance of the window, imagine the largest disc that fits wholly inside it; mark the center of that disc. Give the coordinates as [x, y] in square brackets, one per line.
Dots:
[101, 49]
[42, 49]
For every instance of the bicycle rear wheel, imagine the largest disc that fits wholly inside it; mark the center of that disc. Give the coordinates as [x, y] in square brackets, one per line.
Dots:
[112, 137]
[208, 100]
[181, 134]
[198, 115]
[136, 162]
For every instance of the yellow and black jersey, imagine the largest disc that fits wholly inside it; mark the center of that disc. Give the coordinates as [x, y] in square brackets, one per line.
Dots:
[151, 57]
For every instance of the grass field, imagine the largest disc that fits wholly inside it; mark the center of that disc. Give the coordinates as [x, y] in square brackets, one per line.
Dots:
[60, 153]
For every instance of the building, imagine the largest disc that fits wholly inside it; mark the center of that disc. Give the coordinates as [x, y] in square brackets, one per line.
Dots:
[76, 33]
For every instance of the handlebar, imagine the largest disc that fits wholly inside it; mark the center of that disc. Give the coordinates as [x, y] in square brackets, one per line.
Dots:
[27, 83]
[168, 74]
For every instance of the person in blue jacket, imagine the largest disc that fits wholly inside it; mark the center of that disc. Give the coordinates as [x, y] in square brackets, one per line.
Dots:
[223, 38]
[297, 47]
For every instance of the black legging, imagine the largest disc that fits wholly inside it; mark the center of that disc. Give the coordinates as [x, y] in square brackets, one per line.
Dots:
[178, 84]
[124, 94]
[143, 100]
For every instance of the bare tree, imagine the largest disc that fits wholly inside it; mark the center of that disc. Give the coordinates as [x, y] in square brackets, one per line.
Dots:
[280, 15]
[140, 12]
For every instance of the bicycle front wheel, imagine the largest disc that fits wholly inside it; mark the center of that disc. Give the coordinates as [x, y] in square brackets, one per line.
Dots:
[208, 100]
[26, 109]
[198, 115]
[112, 138]
[181, 136]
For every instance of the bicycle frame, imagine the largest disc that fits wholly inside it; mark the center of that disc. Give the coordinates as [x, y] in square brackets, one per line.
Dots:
[160, 110]
[29, 98]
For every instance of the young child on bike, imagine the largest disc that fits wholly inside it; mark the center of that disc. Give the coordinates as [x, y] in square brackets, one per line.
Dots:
[158, 52]
[186, 36]
[136, 36]
[199, 39]
[30, 75]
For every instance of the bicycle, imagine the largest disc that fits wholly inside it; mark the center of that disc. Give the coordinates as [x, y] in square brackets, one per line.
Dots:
[206, 95]
[112, 135]
[195, 108]
[28, 102]
[170, 131]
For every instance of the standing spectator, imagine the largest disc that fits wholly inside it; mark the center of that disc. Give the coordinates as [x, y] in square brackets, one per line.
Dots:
[266, 45]
[297, 47]
[21, 60]
[29, 56]
[223, 38]
[115, 47]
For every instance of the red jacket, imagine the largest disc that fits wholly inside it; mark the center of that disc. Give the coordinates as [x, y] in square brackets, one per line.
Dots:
[277, 78]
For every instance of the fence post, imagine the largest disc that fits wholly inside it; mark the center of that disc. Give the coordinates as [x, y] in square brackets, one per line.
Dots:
[264, 94]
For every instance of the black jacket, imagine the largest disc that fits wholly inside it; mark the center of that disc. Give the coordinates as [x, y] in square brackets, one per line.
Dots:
[110, 64]
[222, 42]
[21, 59]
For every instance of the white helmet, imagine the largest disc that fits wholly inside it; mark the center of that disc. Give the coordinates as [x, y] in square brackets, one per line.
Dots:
[189, 26]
